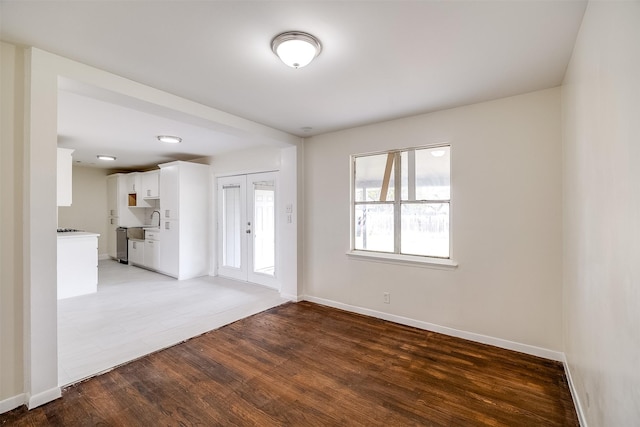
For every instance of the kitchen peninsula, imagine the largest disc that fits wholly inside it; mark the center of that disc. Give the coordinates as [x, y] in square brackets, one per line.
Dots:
[77, 263]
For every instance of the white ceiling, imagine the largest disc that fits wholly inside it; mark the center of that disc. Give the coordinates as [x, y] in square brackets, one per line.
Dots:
[94, 123]
[380, 60]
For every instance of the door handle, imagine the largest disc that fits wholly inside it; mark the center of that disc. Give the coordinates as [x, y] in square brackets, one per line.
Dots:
[248, 231]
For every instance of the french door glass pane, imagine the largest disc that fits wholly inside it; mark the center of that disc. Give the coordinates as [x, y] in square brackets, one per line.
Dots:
[425, 229]
[264, 259]
[370, 178]
[374, 227]
[231, 223]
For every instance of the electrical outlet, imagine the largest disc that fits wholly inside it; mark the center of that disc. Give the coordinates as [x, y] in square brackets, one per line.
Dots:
[386, 297]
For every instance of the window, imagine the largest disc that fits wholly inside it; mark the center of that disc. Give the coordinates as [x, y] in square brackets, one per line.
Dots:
[401, 202]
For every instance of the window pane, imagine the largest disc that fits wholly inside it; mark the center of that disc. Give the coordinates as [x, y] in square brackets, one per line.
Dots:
[425, 229]
[370, 174]
[433, 175]
[374, 228]
[404, 175]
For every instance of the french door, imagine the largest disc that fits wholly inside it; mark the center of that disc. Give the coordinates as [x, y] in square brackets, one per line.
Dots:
[247, 228]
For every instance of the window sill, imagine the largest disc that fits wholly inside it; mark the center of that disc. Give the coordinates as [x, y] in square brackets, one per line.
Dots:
[403, 259]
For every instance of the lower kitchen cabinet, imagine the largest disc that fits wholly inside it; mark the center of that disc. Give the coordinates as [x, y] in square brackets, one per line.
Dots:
[152, 249]
[152, 254]
[136, 252]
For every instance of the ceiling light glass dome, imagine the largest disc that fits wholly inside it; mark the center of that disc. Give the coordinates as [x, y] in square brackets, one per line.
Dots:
[295, 48]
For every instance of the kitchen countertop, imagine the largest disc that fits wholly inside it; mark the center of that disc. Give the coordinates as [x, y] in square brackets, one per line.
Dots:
[76, 234]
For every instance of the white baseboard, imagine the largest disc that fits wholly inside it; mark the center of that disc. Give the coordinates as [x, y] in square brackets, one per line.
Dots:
[291, 297]
[582, 419]
[43, 397]
[471, 336]
[102, 257]
[12, 403]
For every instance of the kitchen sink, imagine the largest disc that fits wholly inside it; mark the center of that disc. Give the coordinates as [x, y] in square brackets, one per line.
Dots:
[135, 233]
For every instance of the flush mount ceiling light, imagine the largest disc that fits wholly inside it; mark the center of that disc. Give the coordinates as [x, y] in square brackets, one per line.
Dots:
[169, 139]
[104, 157]
[295, 48]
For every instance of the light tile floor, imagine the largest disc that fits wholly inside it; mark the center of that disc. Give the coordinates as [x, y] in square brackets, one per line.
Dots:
[136, 312]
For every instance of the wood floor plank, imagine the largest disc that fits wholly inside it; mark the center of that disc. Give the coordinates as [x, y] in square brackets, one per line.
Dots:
[308, 365]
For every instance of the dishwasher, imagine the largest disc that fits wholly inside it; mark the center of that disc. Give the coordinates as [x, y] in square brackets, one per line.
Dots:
[122, 245]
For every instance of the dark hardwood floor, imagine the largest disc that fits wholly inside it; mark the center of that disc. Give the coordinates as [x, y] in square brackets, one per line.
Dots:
[308, 365]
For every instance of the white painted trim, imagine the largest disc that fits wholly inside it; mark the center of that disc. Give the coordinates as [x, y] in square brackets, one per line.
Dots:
[582, 419]
[418, 261]
[291, 297]
[243, 172]
[43, 397]
[471, 336]
[12, 403]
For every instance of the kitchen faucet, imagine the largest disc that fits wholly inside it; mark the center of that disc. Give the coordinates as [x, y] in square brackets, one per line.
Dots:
[158, 212]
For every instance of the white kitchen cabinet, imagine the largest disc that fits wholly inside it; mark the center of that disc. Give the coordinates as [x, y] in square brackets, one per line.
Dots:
[152, 250]
[133, 182]
[184, 205]
[135, 191]
[170, 256]
[151, 184]
[112, 196]
[117, 203]
[136, 252]
[143, 189]
[64, 176]
[170, 189]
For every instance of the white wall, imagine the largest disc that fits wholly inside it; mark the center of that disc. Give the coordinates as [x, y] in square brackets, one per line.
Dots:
[601, 107]
[11, 279]
[506, 220]
[88, 210]
[246, 161]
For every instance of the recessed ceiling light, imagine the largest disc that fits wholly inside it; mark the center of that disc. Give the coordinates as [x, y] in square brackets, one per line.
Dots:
[437, 153]
[104, 157]
[169, 139]
[295, 48]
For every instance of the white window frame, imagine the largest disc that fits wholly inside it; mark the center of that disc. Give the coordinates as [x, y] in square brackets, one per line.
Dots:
[396, 257]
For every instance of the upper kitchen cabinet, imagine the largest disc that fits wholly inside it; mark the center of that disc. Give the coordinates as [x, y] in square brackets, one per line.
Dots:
[150, 184]
[117, 190]
[134, 190]
[119, 214]
[170, 189]
[184, 205]
[143, 188]
[133, 182]
[65, 173]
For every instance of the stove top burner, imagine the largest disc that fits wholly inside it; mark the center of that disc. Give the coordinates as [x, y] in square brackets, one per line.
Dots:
[67, 230]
